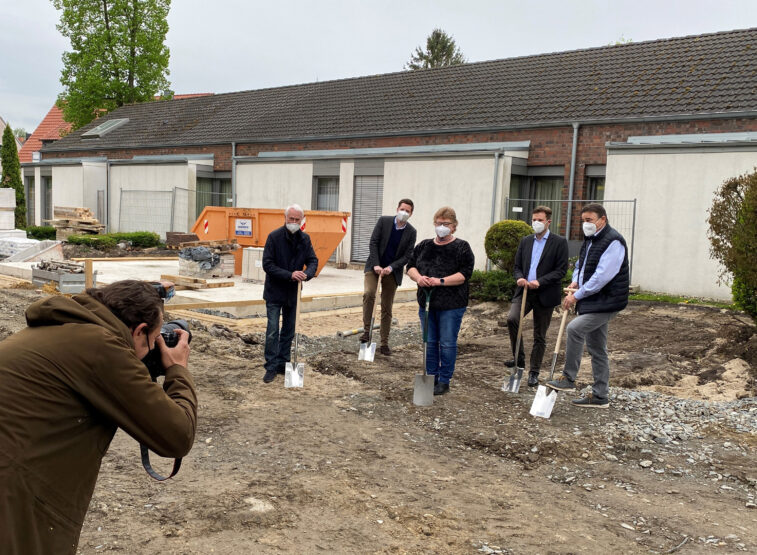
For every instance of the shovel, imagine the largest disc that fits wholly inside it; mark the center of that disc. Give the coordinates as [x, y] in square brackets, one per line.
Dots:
[544, 402]
[294, 374]
[423, 389]
[513, 384]
[368, 349]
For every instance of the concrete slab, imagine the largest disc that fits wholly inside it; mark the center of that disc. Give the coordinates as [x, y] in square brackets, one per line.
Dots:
[332, 289]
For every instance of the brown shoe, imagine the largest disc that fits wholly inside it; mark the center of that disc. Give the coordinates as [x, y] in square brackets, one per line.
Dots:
[364, 338]
[385, 350]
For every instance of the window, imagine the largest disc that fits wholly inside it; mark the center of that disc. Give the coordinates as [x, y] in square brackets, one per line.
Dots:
[47, 197]
[29, 186]
[595, 188]
[527, 192]
[326, 193]
[104, 128]
[212, 192]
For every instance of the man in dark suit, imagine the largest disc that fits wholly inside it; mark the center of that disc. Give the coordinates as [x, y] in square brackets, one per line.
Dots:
[540, 264]
[392, 242]
[288, 257]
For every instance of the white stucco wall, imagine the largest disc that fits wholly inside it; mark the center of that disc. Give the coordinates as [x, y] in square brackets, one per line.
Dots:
[274, 184]
[94, 179]
[674, 189]
[464, 183]
[346, 199]
[68, 189]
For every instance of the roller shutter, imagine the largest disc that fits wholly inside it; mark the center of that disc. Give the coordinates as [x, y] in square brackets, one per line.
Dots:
[369, 197]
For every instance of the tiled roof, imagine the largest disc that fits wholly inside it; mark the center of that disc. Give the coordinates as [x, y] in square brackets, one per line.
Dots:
[51, 128]
[696, 75]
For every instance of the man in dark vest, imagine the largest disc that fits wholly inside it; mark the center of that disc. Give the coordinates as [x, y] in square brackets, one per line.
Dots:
[540, 264]
[601, 278]
[392, 242]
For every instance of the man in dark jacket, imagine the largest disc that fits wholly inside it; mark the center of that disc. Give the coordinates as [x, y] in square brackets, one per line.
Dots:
[540, 264]
[67, 382]
[601, 278]
[287, 251]
[391, 245]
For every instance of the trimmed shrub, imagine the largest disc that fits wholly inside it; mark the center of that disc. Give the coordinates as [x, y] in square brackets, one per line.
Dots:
[745, 297]
[140, 239]
[40, 232]
[99, 242]
[495, 285]
[501, 242]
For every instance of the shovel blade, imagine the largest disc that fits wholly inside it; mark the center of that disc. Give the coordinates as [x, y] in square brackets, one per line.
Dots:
[513, 384]
[423, 391]
[294, 375]
[367, 352]
[544, 402]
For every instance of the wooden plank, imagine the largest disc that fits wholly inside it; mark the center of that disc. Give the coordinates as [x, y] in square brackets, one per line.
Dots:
[216, 284]
[126, 258]
[184, 280]
[213, 304]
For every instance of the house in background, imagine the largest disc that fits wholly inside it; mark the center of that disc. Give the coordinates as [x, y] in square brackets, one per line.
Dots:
[490, 139]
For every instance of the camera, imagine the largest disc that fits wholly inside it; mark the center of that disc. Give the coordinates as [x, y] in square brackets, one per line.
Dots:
[171, 339]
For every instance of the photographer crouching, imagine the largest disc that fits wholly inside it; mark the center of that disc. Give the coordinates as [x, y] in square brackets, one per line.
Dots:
[67, 382]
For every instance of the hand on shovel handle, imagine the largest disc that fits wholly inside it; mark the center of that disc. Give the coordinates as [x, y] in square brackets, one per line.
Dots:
[569, 300]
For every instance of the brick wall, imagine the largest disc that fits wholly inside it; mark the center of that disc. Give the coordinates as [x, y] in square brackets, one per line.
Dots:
[549, 146]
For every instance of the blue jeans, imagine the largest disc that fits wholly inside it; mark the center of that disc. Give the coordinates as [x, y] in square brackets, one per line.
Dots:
[278, 344]
[441, 350]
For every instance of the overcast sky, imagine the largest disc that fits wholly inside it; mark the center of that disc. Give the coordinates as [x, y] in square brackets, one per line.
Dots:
[227, 45]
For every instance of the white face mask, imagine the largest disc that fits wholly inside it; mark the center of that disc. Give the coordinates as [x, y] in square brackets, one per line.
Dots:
[442, 231]
[403, 216]
[589, 229]
[292, 228]
[538, 226]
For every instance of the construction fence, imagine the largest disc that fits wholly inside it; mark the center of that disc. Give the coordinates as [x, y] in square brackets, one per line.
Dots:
[164, 211]
[621, 214]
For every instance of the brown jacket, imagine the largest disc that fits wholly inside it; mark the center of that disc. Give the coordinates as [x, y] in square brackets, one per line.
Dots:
[66, 383]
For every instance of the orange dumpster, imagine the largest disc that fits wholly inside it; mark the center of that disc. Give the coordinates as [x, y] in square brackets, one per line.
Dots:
[251, 226]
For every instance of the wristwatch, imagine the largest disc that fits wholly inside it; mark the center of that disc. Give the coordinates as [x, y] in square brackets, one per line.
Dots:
[441, 280]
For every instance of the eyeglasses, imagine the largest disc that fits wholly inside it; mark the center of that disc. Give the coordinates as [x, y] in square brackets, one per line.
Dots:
[445, 224]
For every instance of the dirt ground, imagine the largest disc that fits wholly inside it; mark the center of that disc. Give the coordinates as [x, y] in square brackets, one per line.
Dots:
[349, 465]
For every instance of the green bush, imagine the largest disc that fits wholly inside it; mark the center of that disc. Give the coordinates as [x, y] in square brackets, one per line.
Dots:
[494, 285]
[745, 297]
[568, 279]
[99, 242]
[40, 232]
[140, 239]
[501, 242]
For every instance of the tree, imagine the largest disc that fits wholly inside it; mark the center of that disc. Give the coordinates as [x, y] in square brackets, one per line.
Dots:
[118, 55]
[19, 132]
[502, 240]
[441, 51]
[11, 176]
[733, 237]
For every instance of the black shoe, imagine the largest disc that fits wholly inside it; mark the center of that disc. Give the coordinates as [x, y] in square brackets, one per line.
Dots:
[441, 388]
[281, 370]
[385, 350]
[533, 378]
[563, 384]
[592, 402]
[270, 375]
[364, 338]
[511, 363]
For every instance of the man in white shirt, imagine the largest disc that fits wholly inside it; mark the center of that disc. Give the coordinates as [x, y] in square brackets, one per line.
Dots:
[601, 280]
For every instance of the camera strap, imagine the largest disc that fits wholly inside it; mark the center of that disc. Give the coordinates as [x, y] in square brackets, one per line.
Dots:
[148, 467]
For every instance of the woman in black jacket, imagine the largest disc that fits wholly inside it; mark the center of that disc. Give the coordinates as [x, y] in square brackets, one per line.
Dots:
[444, 264]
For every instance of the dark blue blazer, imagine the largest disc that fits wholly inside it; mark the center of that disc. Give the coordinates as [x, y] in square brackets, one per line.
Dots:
[552, 267]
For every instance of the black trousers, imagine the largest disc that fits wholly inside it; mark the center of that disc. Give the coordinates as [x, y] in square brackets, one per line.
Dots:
[542, 319]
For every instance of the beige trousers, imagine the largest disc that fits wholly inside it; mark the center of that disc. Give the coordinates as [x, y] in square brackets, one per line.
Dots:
[388, 289]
